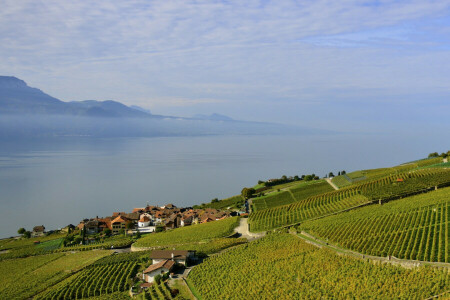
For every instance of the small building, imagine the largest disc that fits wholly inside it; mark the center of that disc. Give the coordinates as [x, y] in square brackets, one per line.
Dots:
[38, 231]
[144, 221]
[179, 256]
[159, 268]
[119, 223]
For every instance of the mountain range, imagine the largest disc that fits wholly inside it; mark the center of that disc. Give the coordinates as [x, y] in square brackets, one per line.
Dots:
[28, 111]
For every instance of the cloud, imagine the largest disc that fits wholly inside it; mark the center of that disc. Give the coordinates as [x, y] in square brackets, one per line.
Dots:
[245, 53]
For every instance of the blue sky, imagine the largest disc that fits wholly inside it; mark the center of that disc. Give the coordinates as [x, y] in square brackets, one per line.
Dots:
[340, 64]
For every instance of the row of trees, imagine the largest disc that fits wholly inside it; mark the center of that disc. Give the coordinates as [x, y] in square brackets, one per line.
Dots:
[443, 154]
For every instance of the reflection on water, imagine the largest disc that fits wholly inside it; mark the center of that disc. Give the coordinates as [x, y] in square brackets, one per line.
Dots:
[60, 181]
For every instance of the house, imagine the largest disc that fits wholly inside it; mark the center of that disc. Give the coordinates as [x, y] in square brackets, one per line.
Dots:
[159, 268]
[144, 221]
[69, 228]
[186, 220]
[91, 226]
[169, 206]
[38, 231]
[179, 256]
[119, 223]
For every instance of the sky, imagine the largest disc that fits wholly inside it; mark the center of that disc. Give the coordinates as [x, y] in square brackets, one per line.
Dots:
[347, 65]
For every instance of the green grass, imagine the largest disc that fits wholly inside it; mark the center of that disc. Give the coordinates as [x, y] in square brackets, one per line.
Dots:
[190, 234]
[341, 181]
[25, 277]
[414, 228]
[212, 246]
[23, 242]
[234, 202]
[282, 266]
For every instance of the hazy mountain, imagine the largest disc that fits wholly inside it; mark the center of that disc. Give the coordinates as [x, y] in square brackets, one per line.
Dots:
[141, 109]
[16, 97]
[213, 117]
[29, 112]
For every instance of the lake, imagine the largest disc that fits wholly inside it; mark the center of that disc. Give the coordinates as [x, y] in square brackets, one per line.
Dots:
[55, 182]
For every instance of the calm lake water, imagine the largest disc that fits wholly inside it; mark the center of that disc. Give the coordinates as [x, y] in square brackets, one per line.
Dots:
[61, 181]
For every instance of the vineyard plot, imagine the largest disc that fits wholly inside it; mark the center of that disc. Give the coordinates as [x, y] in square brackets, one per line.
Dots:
[415, 228]
[282, 266]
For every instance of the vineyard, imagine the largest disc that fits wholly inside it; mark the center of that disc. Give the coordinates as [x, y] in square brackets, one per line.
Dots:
[282, 266]
[95, 280]
[25, 277]
[157, 292]
[212, 246]
[383, 189]
[415, 228]
[294, 194]
[190, 234]
[307, 209]
[272, 200]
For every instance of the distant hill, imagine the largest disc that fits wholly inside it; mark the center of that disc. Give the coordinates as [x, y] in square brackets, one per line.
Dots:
[29, 112]
[16, 97]
[213, 117]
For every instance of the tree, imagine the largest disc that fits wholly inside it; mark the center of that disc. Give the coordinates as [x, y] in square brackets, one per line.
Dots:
[343, 172]
[129, 225]
[121, 231]
[215, 200]
[138, 234]
[27, 234]
[284, 177]
[296, 178]
[434, 154]
[107, 232]
[330, 174]
[247, 192]
[339, 173]
[21, 231]
[158, 279]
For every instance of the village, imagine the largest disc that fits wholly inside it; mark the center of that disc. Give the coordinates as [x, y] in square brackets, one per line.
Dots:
[152, 219]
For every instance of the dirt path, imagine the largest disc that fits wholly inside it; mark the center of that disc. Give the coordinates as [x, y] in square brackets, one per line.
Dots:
[332, 184]
[406, 263]
[242, 229]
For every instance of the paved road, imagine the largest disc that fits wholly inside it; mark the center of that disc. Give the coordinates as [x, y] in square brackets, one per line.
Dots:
[331, 183]
[242, 229]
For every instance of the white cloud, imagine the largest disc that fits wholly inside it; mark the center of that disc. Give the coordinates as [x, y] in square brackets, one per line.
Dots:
[178, 53]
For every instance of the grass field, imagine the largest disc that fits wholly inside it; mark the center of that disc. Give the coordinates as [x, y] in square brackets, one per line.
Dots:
[24, 277]
[232, 202]
[190, 234]
[412, 228]
[282, 266]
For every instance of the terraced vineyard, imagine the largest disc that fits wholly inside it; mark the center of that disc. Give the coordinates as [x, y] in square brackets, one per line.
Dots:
[414, 228]
[296, 193]
[341, 181]
[25, 277]
[272, 200]
[282, 266]
[157, 292]
[310, 190]
[94, 280]
[190, 234]
[307, 209]
[383, 189]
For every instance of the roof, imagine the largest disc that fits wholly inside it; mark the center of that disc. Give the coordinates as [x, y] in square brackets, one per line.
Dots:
[144, 219]
[168, 264]
[146, 284]
[119, 219]
[138, 209]
[167, 254]
[39, 228]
